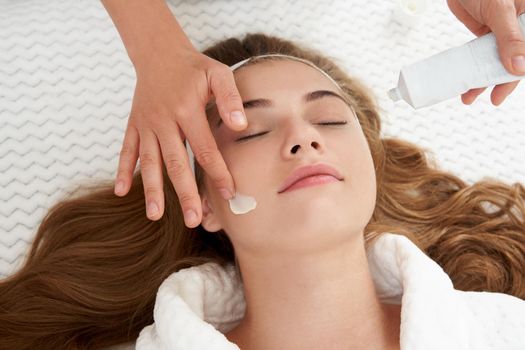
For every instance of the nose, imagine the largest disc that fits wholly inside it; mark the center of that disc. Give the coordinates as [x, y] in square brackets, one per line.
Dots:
[302, 141]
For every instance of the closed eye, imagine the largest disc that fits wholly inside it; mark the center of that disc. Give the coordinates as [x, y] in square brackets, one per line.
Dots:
[251, 136]
[247, 137]
[334, 123]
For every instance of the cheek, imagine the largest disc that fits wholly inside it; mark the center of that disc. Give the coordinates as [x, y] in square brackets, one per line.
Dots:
[358, 165]
[366, 177]
[248, 167]
[247, 163]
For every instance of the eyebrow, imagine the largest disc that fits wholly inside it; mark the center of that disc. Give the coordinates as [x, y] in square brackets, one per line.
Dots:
[308, 97]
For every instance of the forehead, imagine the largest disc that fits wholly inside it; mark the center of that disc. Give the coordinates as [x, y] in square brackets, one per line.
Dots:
[274, 75]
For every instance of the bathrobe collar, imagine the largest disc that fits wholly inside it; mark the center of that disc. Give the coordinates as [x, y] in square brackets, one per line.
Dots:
[196, 305]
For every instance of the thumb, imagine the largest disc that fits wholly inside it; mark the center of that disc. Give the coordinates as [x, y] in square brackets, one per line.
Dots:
[227, 98]
[510, 39]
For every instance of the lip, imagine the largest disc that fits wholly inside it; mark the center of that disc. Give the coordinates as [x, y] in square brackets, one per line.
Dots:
[307, 171]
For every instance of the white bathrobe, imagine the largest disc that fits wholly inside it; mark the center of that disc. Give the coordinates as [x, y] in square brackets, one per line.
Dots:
[195, 306]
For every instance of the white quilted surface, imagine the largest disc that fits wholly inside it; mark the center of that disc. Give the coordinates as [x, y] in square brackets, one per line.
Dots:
[66, 85]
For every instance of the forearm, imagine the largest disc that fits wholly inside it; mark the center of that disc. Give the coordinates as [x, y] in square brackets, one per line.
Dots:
[145, 25]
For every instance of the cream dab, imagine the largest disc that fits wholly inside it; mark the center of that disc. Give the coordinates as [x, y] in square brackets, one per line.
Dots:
[241, 204]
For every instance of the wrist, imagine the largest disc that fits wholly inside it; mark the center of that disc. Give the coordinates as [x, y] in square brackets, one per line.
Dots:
[146, 27]
[156, 41]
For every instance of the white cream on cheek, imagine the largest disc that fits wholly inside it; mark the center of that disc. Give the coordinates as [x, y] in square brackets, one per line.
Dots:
[242, 204]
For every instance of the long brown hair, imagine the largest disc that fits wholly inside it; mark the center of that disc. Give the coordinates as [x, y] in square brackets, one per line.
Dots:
[93, 271]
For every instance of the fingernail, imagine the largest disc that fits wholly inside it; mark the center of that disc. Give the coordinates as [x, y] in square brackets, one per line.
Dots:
[119, 188]
[518, 62]
[238, 118]
[225, 193]
[190, 216]
[153, 209]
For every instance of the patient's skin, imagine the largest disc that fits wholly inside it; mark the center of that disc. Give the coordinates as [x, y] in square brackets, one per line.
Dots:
[301, 253]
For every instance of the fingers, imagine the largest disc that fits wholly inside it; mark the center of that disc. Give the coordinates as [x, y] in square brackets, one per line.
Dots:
[151, 170]
[497, 96]
[127, 161]
[469, 96]
[502, 19]
[177, 165]
[500, 92]
[206, 153]
[227, 98]
[466, 18]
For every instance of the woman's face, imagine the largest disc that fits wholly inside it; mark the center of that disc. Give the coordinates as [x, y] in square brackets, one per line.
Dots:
[291, 135]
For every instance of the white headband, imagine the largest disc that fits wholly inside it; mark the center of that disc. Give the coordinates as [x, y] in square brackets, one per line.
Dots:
[242, 63]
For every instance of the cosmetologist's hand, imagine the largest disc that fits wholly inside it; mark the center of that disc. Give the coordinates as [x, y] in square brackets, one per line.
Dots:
[174, 84]
[499, 17]
[168, 106]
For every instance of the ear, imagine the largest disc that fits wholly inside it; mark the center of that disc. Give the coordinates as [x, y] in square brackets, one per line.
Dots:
[210, 221]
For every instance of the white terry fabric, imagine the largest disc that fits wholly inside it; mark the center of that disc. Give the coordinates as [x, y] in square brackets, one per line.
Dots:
[195, 306]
